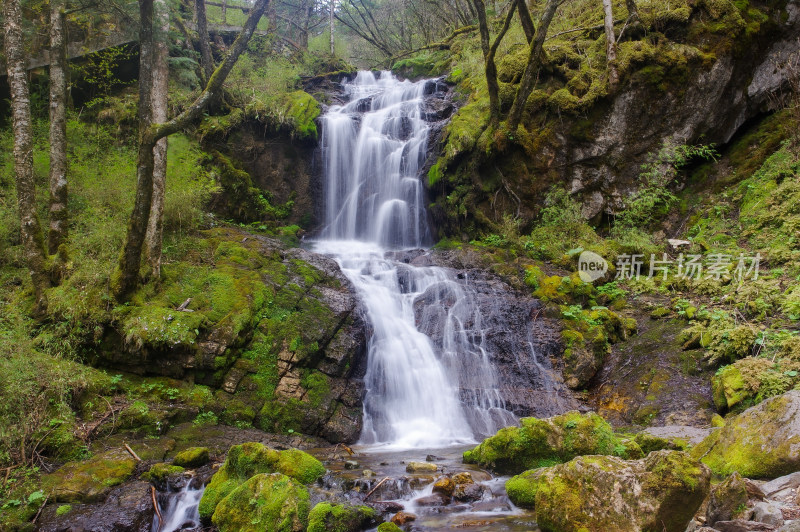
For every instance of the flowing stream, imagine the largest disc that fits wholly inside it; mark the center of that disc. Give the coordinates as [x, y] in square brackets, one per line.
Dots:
[419, 393]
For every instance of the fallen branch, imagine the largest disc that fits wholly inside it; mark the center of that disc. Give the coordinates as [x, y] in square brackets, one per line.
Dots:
[378, 485]
[185, 304]
[40, 510]
[587, 28]
[135, 456]
[155, 506]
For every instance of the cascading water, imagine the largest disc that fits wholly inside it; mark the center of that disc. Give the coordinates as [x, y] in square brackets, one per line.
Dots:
[419, 393]
[181, 510]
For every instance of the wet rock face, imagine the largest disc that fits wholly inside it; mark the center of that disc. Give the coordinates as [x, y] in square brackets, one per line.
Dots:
[511, 328]
[127, 508]
[290, 309]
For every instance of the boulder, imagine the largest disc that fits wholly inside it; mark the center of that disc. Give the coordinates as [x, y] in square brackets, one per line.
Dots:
[160, 475]
[401, 518]
[249, 459]
[128, 508]
[468, 492]
[445, 486]
[728, 500]
[421, 467]
[761, 442]
[340, 517]
[781, 486]
[90, 480]
[659, 492]
[545, 442]
[389, 527]
[266, 502]
[768, 513]
[192, 457]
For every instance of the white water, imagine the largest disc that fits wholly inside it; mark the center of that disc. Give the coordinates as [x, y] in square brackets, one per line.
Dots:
[418, 394]
[181, 512]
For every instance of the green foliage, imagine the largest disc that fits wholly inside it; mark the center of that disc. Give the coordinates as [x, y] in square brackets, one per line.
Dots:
[98, 71]
[204, 419]
[653, 198]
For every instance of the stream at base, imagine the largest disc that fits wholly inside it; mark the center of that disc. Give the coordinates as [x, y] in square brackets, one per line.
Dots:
[412, 492]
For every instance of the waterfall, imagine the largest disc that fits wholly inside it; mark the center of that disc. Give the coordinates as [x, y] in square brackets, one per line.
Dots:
[420, 392]
[181, 511]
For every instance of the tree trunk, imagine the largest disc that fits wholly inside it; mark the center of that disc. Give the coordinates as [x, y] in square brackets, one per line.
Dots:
[206, 59]
[633, 11]
[127, 275]
[534, 60]
[224, 11]
[611, 46]
[58, 128]
[525, 19]
[30, 229]
[489, 52]
[159, 115]
[333, 10]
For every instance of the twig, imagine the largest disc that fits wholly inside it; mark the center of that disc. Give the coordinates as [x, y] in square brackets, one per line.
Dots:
[185, 304]
[587, 28]
[378, 485]
[135, 456]
[40, 510]
[155, 507]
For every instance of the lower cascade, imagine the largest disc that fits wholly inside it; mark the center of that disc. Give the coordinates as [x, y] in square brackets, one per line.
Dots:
[430, 381]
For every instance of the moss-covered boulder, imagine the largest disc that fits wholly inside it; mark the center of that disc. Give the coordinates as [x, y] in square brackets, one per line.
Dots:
[546, 442]
[249, 459]
[729, 388]
[389, 527]
[89, 480]
[192, 457]
[728, 500]
[649, 443]
[160, 473]
[761, 442]
[266, 502]
[659, 492]
[327, 517]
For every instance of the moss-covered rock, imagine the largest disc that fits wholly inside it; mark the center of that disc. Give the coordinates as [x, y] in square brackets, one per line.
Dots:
[545, 442]
[389, 527]
[89, 480]
[761, 442]
[728, 500]
[327, 517]
[649, 443]
[660, 492]
[159, 473]
[249, 459]
[192, 457]
[729, 388]
[266, 502]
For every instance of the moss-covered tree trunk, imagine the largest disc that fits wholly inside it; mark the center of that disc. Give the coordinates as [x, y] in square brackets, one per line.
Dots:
[534, 61]
[58, 128]
[126, 278]
[633, 10]
[489, 53]
[30, 229]
[206, 59]
[611, 46]
[525, 19]
[159, 115]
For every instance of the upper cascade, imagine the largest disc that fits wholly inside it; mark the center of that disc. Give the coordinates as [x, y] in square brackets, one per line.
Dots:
[373, 148]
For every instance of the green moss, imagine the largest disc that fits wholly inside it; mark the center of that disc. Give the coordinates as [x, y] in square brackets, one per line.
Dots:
[542, 442]
[159, 473]
[244, 461]
[327, 517]
[522, 488]
[389, 527]
[434, 174]
[63, 510]
[265, 502]
[90, 480]
[192, 457]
